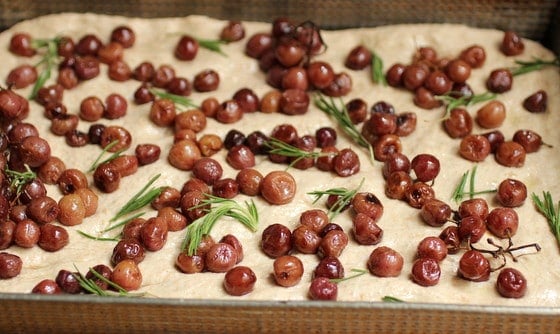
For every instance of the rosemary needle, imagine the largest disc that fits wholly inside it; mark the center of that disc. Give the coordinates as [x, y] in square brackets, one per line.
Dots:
[284, 149]
[19, 179]
[340, 114]
[177, 99]
[110, 228]
[391, 299]
[535, 65]
[140, 199]
[359, 272]
[49, 60]
[90, 286]
[377, 69]
[551, 212]
[470, 176]
[212, 45]
[93, 237]
[124, 222]
[220, 207]
[344, 198]
[455, 102]
[97, 162]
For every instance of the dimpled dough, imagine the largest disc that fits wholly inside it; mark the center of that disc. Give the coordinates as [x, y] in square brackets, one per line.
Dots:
[403, 228]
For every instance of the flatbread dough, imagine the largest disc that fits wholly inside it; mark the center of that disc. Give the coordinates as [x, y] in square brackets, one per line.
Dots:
[403, 228]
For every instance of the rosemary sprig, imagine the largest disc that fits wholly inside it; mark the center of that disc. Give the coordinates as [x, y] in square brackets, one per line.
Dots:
[551, 212]
[140, 199]
[535, 65]
[106, 149]
[49, 60]
[177, 99]
[344, 197]
[459, 192]
[340, 114]
[124, 222]
[284, 149]
[391, 299]
[89, 285]
[377, 69]
[455, 102]
[212, 45]
[18, 180]
[93, 237]
[359, 272]
[110, 228]
[220, 207]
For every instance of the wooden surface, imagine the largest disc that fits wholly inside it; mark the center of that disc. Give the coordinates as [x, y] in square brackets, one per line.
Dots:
[90, 314]
[529, 18]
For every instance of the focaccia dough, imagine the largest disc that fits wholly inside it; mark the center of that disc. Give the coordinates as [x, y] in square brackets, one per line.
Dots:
[403, 228]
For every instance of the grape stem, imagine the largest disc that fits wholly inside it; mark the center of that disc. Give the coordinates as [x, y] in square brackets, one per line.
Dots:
[500, 251]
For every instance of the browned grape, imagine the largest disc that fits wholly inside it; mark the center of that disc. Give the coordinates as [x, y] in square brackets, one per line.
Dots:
[511, 283]
[10, 265]
[473, 266]
[288, 270]
[53, 237]
[385, 262]
[432, 247]
[426, 272]
[127, 275]
[220, 257]
[278, 187]
[329, 267]
[239, 281]
[153, 233]
[276, 240]
[190, 264]
[322, 288]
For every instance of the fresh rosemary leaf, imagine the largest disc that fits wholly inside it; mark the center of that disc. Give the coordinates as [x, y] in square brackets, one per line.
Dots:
[140, 199]
[89, 285]
[377, 74]
[177, 99]
[344, 198]
[93, 237]
[459, 192]
[18, 180]
[535, 65]
[114, 285]
[472, 178]
[49, 60]
[124, 222]
[219, 207]
[359, 272]
[43, 77]
[392, 299]
[212, 45]
[284, 149]
[340, 114]
[97, 162]
[455, 102]
[551, 212]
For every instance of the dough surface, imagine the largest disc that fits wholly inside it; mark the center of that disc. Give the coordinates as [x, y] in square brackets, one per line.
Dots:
[403, 228]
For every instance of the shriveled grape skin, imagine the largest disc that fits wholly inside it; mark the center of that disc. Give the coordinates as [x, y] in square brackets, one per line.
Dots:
[511, 283]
